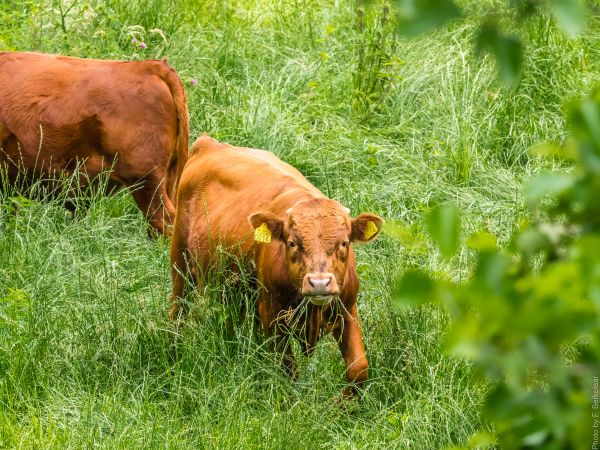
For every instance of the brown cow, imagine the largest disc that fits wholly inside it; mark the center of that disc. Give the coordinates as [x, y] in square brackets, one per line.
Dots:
[301, 247]
[58, 112]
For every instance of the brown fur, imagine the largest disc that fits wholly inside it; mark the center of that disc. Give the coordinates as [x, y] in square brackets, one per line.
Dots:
[224, 194]
[56, 112]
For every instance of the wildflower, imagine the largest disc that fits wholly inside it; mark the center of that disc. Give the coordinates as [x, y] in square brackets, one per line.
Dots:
[133, 41]
[194, 82]
[143, 44]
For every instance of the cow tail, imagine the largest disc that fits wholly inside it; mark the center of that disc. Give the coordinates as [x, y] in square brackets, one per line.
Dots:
[179, 155]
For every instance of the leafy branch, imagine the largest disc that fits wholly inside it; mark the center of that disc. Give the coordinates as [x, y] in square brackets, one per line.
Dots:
[419, 16]
[529, 317]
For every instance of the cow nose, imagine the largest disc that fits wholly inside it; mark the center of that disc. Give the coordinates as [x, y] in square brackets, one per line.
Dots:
[319, 283]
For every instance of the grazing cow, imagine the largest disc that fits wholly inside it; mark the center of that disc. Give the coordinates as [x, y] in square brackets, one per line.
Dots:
[58, 113]
[299, 240]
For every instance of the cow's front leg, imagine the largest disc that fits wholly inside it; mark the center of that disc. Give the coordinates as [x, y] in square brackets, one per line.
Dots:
[349, 338]
[183, 274]
[283, 346]
[274, 325]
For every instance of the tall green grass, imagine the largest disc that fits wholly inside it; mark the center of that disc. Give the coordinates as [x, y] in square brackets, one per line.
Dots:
[87, 355]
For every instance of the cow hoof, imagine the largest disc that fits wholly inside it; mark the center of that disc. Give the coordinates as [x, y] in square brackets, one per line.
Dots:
[349, 393]
[348, 400]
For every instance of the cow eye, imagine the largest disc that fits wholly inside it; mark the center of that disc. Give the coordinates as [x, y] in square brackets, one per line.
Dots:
[344, 244]
[291, 244]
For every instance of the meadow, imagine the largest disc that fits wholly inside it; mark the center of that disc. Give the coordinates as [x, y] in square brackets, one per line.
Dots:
[381, 123]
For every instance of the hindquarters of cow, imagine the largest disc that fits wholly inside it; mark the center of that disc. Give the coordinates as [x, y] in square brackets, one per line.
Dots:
[65, 169]
[129, 118]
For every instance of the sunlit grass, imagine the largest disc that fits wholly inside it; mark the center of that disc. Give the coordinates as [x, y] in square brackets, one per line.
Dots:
[87, 354]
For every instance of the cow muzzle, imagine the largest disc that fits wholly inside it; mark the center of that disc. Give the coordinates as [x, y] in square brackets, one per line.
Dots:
[319, 287]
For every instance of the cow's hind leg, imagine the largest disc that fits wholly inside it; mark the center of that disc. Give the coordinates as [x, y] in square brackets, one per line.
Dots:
[155, 204]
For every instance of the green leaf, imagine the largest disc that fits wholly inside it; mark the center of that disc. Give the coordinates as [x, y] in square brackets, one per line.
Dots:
[590, 119]
[419, 16]
[507, 50]
[481, 439]
[532, 241]
[547, 184]
[491, 270]
[414, 287]
[570, 16]
[482, 241]
[584, 121]
[567, 150]
[443, 224]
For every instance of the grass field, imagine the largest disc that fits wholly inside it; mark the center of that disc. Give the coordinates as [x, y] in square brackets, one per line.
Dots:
[87, 354]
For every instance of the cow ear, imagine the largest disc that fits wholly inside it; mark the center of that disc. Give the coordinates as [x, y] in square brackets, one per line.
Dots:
[266, 226]
[366, 227]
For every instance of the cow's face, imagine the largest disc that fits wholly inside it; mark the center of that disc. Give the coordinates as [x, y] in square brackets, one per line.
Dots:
[317, 235]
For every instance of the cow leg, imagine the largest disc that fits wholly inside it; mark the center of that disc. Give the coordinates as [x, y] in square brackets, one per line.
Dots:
[182, 280]
[181, 275]
[283, 346]
[312, 330]
[153, 201]
[272, 326]
[349, 338]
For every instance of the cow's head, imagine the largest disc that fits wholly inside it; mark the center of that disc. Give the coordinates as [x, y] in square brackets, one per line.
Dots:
[317, 235]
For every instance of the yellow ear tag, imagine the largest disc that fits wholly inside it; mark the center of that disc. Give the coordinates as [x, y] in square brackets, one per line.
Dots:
[370, 230]
[262, 234]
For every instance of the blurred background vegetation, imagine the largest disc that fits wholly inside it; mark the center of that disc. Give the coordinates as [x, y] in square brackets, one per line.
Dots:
[405, 126]
[529, 315]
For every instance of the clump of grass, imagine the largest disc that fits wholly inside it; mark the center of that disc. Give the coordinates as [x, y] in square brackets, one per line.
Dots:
[377, 62]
